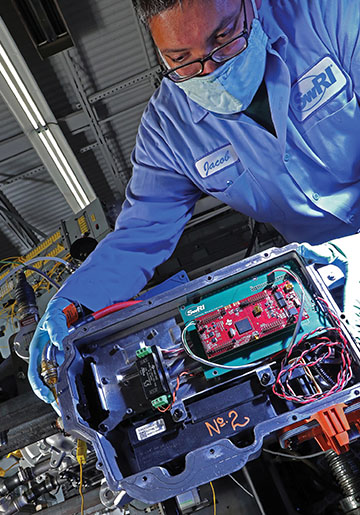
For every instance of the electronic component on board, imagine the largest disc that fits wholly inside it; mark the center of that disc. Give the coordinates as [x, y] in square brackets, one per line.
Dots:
[248, 320]
[151, 373]
[288, 287]
[243, 326]
[257, 310]
[280, 299]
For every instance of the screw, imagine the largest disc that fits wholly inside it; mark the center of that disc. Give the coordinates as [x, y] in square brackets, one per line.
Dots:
[129, 411]
[265, 378]
[20, 375]
[178, 413]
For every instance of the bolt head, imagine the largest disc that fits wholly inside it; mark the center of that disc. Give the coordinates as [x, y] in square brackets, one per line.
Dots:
[265, 378]
[177, 415]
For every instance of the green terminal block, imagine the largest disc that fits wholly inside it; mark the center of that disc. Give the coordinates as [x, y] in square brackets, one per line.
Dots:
[144, 351]
[160, 402]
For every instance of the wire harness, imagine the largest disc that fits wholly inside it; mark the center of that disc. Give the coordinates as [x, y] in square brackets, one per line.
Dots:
[323, 345]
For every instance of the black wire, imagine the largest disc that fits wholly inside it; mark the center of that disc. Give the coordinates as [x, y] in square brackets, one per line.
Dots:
[324, 375]
[253, 238]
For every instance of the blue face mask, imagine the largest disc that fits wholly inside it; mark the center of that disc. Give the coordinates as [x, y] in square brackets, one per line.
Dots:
[231, 88]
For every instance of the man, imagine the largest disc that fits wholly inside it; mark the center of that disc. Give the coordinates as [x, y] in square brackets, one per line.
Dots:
[259, 108]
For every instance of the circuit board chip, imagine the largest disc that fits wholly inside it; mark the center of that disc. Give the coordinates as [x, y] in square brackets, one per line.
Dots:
[243, 326]
[249, 319]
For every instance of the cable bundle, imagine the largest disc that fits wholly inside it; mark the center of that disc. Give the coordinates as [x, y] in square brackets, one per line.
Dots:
[320, 346]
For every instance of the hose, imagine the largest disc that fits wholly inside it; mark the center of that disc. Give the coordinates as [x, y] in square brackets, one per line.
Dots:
[113, 308]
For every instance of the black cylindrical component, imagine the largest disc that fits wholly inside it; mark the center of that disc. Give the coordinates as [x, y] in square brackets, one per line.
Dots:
[38, 489]
[41, 468]
[25, 297]
[346, 470]
[34, 491]
[24, 475]
[10, 483]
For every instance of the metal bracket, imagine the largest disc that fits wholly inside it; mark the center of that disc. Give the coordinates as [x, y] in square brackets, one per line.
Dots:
[265, 376]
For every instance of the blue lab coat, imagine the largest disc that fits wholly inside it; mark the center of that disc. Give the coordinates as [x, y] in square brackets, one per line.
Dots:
[304, 181]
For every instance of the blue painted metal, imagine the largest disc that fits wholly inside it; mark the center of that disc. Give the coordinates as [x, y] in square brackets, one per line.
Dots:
[172, 282]
[214, 428]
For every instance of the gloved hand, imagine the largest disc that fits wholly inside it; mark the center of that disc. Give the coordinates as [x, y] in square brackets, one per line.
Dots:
[344, 253]
[51, 327]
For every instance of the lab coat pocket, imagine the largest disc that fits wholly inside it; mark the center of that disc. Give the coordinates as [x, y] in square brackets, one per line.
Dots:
[222, 180]
[336, 140]
[248, 196]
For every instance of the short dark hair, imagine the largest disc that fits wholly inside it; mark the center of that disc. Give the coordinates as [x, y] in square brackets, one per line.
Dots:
[147, 9]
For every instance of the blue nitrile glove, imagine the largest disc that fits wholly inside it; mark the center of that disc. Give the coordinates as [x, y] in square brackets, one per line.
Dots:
[51, 327]
[344, 253]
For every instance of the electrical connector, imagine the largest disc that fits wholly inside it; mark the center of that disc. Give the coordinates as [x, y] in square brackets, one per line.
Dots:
[144, 351]
[49, 375]
[81, 452]
[161, 402]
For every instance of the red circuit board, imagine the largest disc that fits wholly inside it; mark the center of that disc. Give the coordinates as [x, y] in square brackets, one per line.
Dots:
[249, 319]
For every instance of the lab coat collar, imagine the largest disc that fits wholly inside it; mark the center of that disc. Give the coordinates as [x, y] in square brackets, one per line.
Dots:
[278, 41]
[197, 112]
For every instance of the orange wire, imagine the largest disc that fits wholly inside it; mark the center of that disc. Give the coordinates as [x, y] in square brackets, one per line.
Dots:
[175, 391]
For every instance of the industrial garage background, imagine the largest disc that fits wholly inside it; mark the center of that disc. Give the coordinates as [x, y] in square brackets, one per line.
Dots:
[91, 68]
[96, 89]
[96, 66]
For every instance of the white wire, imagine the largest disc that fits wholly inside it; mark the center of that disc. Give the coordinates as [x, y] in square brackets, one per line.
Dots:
[209, 363]
[294, 457]
[30, 262]
[241, 486]
[47, 258]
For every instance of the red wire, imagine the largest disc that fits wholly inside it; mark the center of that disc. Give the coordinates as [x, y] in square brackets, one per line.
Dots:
[185, 373]
[113, 308]
[343, 376]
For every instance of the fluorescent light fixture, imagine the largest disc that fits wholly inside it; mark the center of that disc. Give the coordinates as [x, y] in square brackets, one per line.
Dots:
[24, 98]
[21, 86]
[18, 96]
[69, 177]
[69, 174]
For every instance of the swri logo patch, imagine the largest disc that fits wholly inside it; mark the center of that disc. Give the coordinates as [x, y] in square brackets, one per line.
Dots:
[318, 85]
[216, 161]
[194, 311]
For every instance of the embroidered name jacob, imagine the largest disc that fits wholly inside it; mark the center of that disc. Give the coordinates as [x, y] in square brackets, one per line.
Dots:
[216, 161]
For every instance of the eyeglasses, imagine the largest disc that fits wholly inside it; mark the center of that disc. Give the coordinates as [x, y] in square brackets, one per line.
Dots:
[219, 55]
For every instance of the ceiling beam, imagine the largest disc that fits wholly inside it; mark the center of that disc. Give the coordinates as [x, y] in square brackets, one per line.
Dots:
[23, 231]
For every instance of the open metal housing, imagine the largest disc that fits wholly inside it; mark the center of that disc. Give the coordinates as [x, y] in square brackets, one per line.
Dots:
[214, 428]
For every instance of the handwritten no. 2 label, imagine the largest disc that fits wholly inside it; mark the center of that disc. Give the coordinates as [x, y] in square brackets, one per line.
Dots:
[218, 423]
